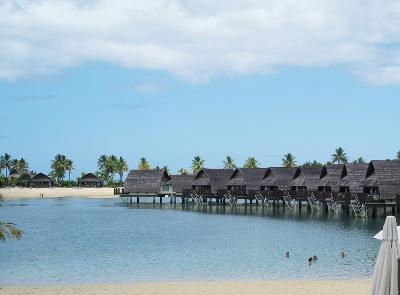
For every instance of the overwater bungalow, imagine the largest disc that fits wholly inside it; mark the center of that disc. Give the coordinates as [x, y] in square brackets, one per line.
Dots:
[244, 181]
[277, 178]
[382, 179]
[90, 180]
[41, 180]
[329, 178]
[352, 177]
[208, 181]
[306, 178]
[181, 182]
[150, 182]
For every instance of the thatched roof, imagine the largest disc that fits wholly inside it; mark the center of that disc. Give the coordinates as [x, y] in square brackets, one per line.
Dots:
[307, 176]
[41, 177]
[250, 177]
[330, 175]
[181, 182]
[384, 174]
[90, 177]
[216, 178]
[278, 176]
[146, 181]
[352, 176]
[18, 172]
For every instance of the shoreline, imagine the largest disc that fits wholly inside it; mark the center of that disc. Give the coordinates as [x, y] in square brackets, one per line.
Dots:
[278, 287]
[57, 192]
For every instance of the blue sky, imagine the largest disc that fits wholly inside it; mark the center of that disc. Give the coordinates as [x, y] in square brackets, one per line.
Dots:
[99, 109]
[172, 79]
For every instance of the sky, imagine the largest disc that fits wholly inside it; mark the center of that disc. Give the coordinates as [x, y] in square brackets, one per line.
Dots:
[170, 80]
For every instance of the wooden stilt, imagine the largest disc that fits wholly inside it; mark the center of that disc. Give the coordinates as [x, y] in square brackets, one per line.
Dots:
[137, 200]
[160, 200]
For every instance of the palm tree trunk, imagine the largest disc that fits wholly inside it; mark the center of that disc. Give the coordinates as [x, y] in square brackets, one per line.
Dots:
[69, 175]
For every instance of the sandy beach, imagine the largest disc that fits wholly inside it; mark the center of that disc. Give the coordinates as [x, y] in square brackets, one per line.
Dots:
[354, 287]
[101, 192]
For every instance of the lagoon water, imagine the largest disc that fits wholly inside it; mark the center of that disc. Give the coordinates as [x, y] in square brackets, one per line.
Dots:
[86, 241]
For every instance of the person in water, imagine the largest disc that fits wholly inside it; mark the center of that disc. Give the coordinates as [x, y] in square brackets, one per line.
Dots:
[343, 254]
[287, 254]
[314, 258]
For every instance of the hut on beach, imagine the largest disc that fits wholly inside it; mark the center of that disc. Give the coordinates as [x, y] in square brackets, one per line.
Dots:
[306, 178]
[148, 182]
[90, 180]
[209, 181]
[17, 173]
[41, 180]
[244, 180]
[329, 178]
[352, 177]
[277, 178]
[181, 182]
[383, 179]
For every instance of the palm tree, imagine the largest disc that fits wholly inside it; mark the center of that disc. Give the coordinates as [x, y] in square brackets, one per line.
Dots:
[58, 167]
[21, 164]
[251, 162]
[398, 155]
[9, 230]
[229, 163]
[120, 167]
[143, 164]
[197, 164]
[5, 163]
[183, 171]
[69, 165]
[313, 164]
[289, 160]
[339, 156]
[360, 160]
[102, 162]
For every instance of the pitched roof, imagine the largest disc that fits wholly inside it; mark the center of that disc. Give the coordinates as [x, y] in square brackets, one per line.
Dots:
[41, 177]
[278, 176]
[181, 182]
[306, 176]
[250, 177]
[18, 172]
[384, 174]
[216, 178]
[90, 177]
[352, 176]
[330, 175]
[146, 181]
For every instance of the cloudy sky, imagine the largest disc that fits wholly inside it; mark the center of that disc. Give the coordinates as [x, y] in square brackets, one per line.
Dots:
[172, 79]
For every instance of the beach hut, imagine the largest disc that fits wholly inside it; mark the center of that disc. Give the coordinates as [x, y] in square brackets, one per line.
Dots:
[306, 178]
[181, 182]
[41, 180]
[277, 178]
[329, 178]
[244, 180]
[383, 179]
[352, 177]
[17, 173]
[90, 180]
[148, 182]
[209, 181]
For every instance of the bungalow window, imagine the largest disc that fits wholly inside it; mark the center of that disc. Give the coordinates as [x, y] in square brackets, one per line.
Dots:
[165, 188]
[344, 189]
[371, 190]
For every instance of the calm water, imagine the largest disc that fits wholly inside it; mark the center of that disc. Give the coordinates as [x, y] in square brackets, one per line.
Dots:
[74, 241]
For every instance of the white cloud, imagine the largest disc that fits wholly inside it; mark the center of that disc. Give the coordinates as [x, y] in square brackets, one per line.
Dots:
[197, 40]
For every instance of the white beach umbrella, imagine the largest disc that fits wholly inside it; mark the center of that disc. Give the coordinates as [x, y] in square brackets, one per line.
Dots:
[385, 278]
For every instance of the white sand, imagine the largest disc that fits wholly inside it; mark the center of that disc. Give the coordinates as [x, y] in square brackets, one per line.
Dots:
[354, 287]
[101, 192]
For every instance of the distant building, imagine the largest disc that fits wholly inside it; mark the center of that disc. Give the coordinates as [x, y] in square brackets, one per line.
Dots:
[244, 180]
[278, 178]
[148, 182]
[330, 177]
[352, 177]
[41, 180]
[306, 178]
[90, 180]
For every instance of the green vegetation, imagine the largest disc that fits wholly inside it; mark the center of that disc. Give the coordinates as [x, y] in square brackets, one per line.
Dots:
[398, 155]
[229, 163]
[121, 167]
[289, 160]
[6, 164]
[59, 166]
[251, 162]
[109, 166]
[339, 156]
[360, 160]
[313, 164]
[183, 171]
[143, 164]
[197, 164]
[9, 230]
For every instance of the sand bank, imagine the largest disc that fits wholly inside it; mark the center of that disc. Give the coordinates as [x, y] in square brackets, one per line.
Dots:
[354, 287]
[102, 192]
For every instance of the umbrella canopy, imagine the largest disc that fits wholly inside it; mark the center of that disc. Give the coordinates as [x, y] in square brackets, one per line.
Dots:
[379, 235]
[385, 278]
